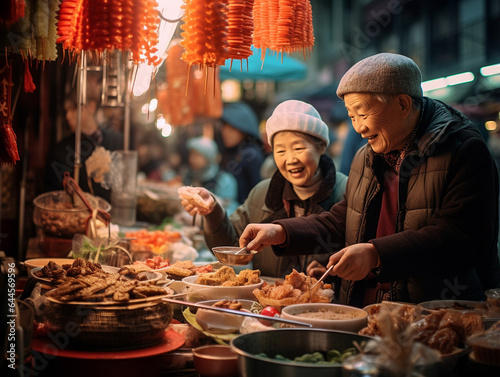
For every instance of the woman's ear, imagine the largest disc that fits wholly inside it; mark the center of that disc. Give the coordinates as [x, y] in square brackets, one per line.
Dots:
[322, 148]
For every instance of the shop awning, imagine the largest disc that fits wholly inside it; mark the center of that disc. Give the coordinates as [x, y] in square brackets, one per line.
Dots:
[274, 68]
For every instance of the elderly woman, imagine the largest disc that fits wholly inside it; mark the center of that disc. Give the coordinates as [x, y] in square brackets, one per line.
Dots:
[305, 182]
[419, 220]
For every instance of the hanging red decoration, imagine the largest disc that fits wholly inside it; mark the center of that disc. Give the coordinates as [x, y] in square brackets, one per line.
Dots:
[8, 139]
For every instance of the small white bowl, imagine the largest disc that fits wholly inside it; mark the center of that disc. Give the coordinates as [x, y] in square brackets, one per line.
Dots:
[220, 322]
[355, 318]
[200, 292]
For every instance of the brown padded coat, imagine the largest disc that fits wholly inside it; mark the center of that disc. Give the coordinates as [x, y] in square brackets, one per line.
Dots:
[445, 246]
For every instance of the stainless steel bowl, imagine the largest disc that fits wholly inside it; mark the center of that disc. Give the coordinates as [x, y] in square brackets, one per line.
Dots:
[227, 255]
[290, 343]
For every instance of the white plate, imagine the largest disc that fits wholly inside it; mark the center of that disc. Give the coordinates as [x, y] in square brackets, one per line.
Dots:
[200, 292]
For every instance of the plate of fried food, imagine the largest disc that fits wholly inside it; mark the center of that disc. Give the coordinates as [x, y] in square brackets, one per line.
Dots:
[297, 288]
[53, 272]
[445, 330]
[175, 271]
[223, 284]
[110, 290]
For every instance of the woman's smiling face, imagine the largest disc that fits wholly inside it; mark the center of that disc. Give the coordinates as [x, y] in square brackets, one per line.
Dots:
[296, 157]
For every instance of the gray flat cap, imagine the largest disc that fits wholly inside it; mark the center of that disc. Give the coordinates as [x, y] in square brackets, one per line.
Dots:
[382, 73]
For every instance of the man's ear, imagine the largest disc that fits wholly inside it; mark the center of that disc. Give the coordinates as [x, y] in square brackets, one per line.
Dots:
[405, 103]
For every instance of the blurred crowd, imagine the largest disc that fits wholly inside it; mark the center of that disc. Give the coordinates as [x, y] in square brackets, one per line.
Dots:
[235, 144]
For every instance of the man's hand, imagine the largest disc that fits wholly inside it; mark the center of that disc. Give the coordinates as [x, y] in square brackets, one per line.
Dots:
[258, 236]
[354, 262]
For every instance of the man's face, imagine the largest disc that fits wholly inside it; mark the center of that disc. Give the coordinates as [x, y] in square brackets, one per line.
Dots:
[88, 123]
[196, 160]
[231, 136]
[382, 124]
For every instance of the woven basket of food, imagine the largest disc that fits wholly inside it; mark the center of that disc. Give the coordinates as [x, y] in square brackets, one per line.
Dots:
[56, 214]
[110, 326]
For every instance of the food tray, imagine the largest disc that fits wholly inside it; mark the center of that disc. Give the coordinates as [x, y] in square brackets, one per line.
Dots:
[117, 327]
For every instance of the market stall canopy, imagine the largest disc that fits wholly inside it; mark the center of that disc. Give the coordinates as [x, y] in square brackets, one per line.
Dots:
[274, 68]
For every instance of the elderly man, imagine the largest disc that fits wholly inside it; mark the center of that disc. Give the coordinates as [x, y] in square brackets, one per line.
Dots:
[419, 220]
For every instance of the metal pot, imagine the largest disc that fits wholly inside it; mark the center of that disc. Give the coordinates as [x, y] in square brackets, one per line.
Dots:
[290, 343]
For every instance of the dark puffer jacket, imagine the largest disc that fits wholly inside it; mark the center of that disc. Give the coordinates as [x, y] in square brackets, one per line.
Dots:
[265, 204]
[445, 246]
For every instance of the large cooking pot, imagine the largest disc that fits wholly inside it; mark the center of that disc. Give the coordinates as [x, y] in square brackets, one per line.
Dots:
[290, 343]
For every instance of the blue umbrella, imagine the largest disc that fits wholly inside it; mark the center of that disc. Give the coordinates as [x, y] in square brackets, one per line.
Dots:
[276, 67]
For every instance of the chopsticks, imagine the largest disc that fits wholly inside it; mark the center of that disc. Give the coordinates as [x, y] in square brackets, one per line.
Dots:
[315, 286]
[237, 312]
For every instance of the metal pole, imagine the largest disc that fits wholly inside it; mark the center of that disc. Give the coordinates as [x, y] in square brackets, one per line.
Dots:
[82, 96]
[126, 110]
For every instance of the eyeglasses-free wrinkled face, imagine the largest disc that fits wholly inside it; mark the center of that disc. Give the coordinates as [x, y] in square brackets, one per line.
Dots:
[296, 158]
[382, 124]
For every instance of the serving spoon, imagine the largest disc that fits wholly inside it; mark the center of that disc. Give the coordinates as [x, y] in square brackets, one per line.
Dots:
[241, 251]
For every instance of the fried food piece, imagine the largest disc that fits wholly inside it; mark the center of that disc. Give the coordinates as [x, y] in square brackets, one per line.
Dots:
[444, 340]
[248, 277]
[218, 277]
[473, 323]
[149, 290]
[131, 273]
[85, 293]
[179, 271]
[65, 291]
[187, 264]
[229, 304]
[192, 198]
[121, 296]
[295, 289]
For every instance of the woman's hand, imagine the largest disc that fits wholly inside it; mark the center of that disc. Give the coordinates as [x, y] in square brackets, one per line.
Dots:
[258, 236]
[201, 201]
[315, 269]
[354, 262]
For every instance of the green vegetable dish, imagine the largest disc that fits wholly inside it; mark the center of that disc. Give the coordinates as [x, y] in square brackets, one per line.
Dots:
[331, 357]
